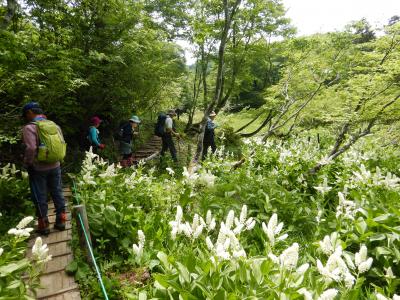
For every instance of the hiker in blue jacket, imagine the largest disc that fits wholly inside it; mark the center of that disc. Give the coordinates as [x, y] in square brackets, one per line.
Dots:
[93, 135]
[209, 135]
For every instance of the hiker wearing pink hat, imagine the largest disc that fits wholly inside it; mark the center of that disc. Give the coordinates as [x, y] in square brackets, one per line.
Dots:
[94, 133]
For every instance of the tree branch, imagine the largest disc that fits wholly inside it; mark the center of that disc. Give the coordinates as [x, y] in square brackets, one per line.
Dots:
[337, 150]
[249, 123]
[264, 123]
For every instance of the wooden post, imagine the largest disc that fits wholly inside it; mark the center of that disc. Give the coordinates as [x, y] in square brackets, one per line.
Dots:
[80, 210]
[318, 139]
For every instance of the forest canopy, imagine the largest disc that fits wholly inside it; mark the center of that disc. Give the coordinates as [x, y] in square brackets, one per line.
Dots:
[114, 58]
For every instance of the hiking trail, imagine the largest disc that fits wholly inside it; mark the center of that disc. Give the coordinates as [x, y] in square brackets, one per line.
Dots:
[151, 149]
[55, 283]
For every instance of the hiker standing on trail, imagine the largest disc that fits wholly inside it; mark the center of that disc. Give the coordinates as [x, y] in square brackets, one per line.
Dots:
[209, 135]
[44, 150]
[127, 133]
[93, 135]
[166, 130]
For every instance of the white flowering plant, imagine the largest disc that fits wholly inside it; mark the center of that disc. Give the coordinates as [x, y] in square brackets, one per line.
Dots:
[19, 272]
[264, 229]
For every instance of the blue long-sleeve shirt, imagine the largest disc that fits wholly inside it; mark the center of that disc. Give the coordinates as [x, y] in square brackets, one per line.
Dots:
[210, 127]
[94, 136]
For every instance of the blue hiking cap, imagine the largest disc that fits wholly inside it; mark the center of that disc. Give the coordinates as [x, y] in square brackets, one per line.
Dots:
[29, 106]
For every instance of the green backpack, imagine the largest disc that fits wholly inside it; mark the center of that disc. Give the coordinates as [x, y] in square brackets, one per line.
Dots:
[52, 147]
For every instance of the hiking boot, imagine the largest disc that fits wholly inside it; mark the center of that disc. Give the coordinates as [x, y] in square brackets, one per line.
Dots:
[43, 226]
[60, 221]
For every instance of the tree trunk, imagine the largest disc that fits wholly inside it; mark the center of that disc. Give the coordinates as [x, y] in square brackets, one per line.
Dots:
[12, 6]
[237, 63]
[204, 67]
[228, 15]
[196, 90]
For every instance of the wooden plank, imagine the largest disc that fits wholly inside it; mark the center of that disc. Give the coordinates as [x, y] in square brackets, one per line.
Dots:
[57, 264]
[67, 295]
[52, 218]
[51, 208]
[53, 213]
[55, 283]
[56, 249]
[54, 237]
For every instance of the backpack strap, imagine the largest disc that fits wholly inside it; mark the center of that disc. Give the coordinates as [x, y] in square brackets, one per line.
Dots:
[37, 131]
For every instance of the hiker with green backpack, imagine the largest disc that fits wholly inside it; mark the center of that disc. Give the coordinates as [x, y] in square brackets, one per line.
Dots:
[45, 148]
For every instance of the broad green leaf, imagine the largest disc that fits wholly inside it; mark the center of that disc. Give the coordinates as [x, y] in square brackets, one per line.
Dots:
[183, 271]
[12, 267]
[142, 296]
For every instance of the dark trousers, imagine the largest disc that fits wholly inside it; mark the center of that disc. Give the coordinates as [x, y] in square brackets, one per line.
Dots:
[126, 156]
[168, 143]
[40, 182]
[95, 149]
[208, 142]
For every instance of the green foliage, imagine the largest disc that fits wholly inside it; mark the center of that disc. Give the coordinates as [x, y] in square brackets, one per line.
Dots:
[15, 200]
[331, 82]
[19, 273]
[82, 58]
[189, 263]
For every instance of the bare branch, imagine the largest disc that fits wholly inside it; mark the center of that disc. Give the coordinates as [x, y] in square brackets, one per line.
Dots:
[338, 150]
[393, 44]
[264, 123]
[249, 123]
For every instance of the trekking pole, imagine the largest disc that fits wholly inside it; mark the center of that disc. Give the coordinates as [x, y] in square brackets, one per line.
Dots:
[182, 143]
[35, 197]
[179, 144]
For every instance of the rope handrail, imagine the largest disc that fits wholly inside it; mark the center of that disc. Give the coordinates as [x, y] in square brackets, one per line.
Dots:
[90, 248]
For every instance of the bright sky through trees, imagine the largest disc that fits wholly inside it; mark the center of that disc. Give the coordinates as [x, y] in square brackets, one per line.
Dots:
[312, 16]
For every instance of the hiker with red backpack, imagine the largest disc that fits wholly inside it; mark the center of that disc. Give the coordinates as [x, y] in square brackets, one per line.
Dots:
[166, 130]
[45, 148]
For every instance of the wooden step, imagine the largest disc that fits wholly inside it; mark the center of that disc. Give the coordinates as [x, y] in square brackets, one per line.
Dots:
[53, 213]
[52, 238]
[57, 264]
[56, 249]
[55, 283]
[59, 283]
[148, 152]
[52, 218]
[51, 207]
[69, 295]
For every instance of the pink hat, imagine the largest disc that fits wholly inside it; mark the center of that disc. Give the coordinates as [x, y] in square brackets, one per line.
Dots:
[95, 120]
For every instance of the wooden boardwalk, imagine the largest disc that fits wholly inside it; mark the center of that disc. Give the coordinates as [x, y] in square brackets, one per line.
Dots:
[150, 149]
[55, 283]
